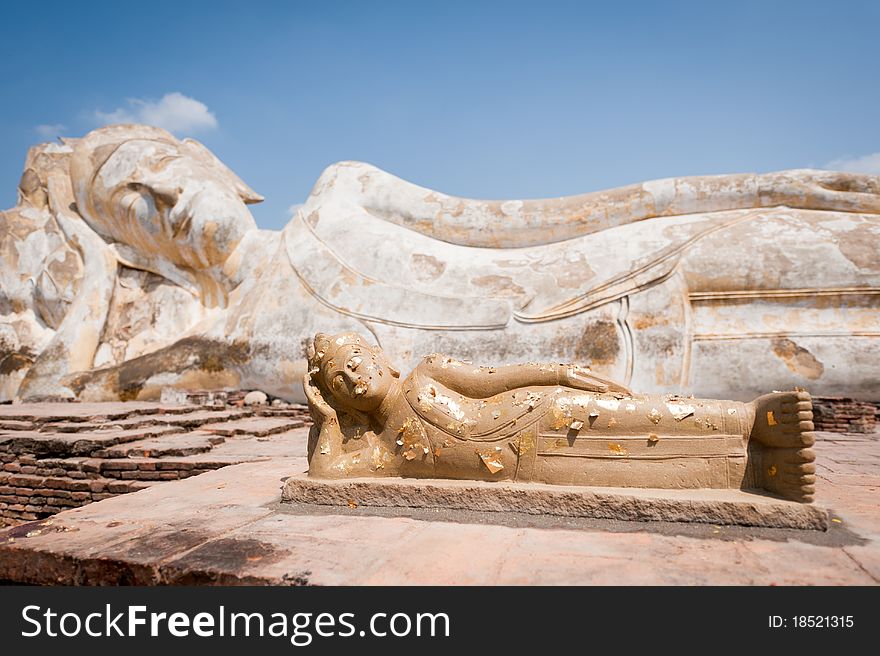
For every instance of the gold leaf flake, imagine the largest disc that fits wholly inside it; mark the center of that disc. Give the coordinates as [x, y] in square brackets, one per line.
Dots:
[653, 438]
[617, 448]
[680, 410]
[492, 461]
[379, 457]
[655, 416]
[771, 418]
[526, 443]
[576, 425]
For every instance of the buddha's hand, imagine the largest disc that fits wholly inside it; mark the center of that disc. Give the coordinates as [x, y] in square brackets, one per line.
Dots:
[319, 408]
[580, 378]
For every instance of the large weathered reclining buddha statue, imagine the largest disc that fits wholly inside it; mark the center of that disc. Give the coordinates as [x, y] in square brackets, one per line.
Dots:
[547, 423]
[131, 263]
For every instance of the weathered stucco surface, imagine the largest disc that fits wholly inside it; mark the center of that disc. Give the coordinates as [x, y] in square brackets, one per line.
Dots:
[131, 263]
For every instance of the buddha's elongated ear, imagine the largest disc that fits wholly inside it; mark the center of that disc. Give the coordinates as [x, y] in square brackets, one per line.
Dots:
[199, 151]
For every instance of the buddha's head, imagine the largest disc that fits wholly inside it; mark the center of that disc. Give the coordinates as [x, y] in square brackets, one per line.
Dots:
[159, 196]
[354, 373]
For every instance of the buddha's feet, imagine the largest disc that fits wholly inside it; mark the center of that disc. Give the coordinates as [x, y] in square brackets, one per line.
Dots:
[783, 428]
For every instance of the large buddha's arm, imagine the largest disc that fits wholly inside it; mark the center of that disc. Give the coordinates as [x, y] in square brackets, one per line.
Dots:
[518, 223]
[482, 382]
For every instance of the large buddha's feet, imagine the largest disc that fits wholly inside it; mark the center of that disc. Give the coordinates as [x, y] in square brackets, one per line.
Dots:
[783, 428]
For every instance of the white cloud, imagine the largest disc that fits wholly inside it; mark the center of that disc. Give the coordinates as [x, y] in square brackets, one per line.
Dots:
[293, 209]
[50, 130]
[864, 164]
[175, 112]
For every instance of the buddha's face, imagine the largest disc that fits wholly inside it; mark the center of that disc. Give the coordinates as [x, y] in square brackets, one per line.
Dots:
[358, 377]
[168, 199]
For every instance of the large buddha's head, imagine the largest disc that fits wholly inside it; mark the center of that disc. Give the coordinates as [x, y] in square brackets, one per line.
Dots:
[160, 197]
[354, 373]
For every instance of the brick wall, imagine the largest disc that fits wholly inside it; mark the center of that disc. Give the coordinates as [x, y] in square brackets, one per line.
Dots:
[845, 415]
[59, 456]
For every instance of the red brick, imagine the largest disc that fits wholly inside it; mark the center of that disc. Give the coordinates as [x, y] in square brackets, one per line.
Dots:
[57, 501]
[175, 465]
[92, 465]
[118, 465]
[28, 481]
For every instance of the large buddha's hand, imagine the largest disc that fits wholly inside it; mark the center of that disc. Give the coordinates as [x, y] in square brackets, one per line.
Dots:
[821, 190]
[319, 408]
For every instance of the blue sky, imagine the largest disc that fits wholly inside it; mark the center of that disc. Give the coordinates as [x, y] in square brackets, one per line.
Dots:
[478, 99]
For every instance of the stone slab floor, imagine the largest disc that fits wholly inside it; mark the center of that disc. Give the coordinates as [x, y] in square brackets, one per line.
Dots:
[227, 527]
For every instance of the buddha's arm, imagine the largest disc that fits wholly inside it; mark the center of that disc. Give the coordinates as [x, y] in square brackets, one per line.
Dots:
[470, 222]
[483, 382]
[325, 438]
[329, 459]
[327, 456]
[73, 347]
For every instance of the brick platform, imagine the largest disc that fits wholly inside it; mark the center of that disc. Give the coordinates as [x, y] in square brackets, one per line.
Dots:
[56, 456]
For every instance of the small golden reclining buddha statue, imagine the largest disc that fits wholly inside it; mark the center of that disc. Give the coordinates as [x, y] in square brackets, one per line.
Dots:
[546, 423]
